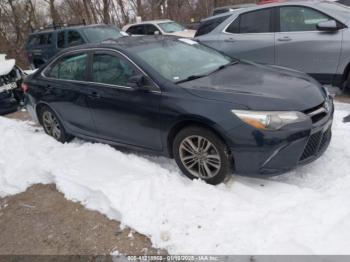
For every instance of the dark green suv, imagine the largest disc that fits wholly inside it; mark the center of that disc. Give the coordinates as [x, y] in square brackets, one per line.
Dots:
[43, 44]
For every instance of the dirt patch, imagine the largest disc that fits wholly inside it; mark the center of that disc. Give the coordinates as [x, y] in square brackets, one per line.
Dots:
[41, 221]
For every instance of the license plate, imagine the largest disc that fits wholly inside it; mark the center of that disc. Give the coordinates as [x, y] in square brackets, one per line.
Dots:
[8, 87]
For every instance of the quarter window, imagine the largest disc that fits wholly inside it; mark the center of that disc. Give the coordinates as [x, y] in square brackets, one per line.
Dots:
[113, 70]
[207, 26]
[71, 67]
[297, 18]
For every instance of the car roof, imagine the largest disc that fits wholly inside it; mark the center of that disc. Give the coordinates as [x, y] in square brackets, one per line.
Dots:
[76, 27]
[151, 22]
[125, 43]
[234, 6]
[309, 3]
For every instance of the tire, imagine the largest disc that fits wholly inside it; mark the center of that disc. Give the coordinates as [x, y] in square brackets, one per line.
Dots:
[53, 126]
[209, 162]
[346, 84]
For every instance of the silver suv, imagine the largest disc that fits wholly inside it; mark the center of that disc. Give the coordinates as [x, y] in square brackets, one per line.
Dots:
[309, 36]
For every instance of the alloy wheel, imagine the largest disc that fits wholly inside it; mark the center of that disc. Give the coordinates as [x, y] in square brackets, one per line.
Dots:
[51, 125]
[200, 157]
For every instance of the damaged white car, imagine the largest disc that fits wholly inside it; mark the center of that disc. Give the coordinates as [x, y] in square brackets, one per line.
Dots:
[11, 77]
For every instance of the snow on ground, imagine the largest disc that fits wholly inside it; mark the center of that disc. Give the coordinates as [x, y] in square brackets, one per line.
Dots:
[306, 211]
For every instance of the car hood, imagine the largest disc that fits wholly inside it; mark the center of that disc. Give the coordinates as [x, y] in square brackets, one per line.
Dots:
[186, 33]
[259, 87]
[6, 66]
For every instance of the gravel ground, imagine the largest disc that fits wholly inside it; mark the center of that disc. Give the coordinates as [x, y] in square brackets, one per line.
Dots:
[41, 221]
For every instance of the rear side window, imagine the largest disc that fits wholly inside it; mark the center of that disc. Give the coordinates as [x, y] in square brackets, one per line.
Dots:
[298, 18]
[60, 40]
[71, 67]
[113, 70]
[136, 30]
[252, 22]
[74, 38]
[207, 26]
[41, 39]
[255, 22]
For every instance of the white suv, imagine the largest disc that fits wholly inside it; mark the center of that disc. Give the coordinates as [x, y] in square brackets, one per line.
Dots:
[161, 27]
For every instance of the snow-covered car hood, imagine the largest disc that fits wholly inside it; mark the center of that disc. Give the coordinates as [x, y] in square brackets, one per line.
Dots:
[6, 66]
[186, 33]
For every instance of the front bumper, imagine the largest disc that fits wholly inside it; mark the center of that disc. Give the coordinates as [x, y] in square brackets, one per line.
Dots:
[267, 153]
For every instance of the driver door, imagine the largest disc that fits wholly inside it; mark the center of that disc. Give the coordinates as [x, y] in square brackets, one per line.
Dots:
[121, 113]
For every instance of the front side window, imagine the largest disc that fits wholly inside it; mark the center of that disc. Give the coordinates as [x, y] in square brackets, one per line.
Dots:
[136, 30]
[177, 60]
[171, 27]
[150, 29]
[74, 38]
[298, 18]
[112, 70]
[70, 67]
[255, 22]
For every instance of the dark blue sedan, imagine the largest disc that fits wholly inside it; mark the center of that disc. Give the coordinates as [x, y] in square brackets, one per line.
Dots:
[178, 98]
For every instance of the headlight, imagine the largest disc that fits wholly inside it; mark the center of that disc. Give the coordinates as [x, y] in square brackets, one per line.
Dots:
[270, 120]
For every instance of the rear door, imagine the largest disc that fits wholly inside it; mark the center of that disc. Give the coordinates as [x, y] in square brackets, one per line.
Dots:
[65, 88]
[299, 45]
[251, 36]
[121, 113]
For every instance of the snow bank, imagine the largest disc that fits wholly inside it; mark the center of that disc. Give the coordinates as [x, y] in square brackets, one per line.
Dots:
[306, 211]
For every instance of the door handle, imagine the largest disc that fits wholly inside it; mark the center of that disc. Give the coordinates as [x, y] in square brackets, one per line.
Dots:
[284, 39]
[230, 40]
[49, 89]
[94, 95]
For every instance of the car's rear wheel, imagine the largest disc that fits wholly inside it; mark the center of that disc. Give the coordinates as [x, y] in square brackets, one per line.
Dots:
[201, 154]
[53, 126]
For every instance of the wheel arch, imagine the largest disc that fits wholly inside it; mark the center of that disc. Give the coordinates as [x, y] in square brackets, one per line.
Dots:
[175, 129]
[345, 75]
[38, 108]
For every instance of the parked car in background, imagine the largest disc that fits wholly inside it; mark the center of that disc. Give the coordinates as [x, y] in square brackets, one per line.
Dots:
[309, 36]
[44, 44]
[343, 2]
[176, 97]
[11, 77]
[229, 8]
[160, 27]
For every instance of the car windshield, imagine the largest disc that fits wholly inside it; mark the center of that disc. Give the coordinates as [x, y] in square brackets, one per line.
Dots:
[340, 9]
[181, 59]
[99, 34]
[171, 27]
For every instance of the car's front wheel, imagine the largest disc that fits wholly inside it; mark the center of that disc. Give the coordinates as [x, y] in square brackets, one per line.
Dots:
[201, 154]
[53, 126]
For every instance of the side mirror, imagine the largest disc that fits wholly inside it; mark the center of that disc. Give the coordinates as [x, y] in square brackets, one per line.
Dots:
[137, 82]
[156, 32]
[329, 26]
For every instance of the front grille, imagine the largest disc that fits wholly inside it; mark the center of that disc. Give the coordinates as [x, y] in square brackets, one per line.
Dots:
[317, 113]
[315, 144]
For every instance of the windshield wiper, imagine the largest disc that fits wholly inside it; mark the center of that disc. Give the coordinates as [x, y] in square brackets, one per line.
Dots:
[190, 78]
[224, 66]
